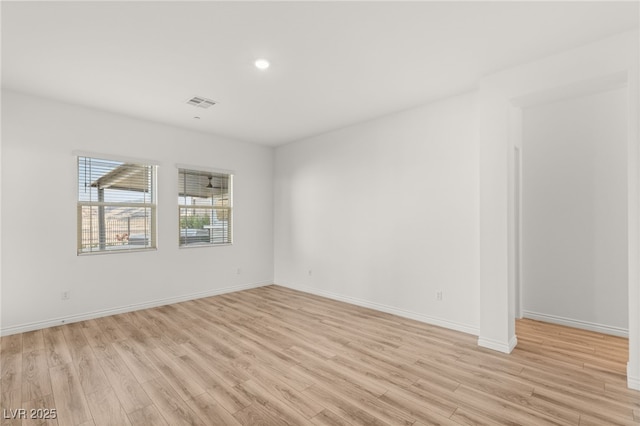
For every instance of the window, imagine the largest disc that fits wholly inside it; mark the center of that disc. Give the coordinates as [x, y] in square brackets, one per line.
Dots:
[116, 205]
[204, 207]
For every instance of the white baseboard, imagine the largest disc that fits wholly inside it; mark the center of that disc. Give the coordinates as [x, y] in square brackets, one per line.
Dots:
[385, 308]
[513, 342]
[128, 308]
[632, 382]
[584, 325]
[497, 345]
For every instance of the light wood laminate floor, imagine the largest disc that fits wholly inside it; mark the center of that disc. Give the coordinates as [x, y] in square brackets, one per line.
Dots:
[274, 356]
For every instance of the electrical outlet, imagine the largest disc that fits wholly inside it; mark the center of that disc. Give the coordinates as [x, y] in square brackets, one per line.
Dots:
[439, 296]
[65, 295]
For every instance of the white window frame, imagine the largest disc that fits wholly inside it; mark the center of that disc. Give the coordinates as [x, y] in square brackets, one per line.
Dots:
[206, 171]
[152, 205]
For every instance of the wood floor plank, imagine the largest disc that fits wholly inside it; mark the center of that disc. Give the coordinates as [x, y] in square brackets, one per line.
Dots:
[271, 403]
[159, 318]
[416, 409]
[32, 341]
[609, 412]
[174, 374]
[473, 417]
[381, 374]
[229, 397]
[332, 373]
[82, 355]
[128, 329]
[622, 394]
[135, 359]
[142, 322]
[404, 368]
[76, 341]
[97, 339]
[43, 412]
[127, 389]
[434, 400]
[12, 344]
[589, 420]
[11, 377]
[300, 402]
[257, 415]
[495, 383]
[110, 329]
[106, 408]
[328, 418]
[69, 397]
[225, 395]
[92, 378]
[551, 377]
[230, 375]
[210, 411]
[277, 356]
[36, 382]
[361, 397]
[56, 346]
[507, 410]
[147, 416]
[170, 404]
[346, 409]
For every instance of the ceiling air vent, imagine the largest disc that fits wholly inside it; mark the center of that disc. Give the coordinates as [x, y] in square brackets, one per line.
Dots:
[200, 102]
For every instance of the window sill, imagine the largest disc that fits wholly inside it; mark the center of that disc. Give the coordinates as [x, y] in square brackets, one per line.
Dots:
[192, 246]
[116, 251]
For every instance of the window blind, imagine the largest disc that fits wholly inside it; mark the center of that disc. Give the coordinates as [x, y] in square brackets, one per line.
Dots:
[116, 205]
[204, 207]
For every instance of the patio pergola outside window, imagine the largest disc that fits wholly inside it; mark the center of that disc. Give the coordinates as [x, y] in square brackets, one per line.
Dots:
[204, 207]
[116, 205]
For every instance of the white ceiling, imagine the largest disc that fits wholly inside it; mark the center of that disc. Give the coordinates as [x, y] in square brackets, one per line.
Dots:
[332, 63]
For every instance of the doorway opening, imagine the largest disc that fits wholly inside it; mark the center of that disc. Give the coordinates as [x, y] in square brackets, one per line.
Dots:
[569, 203]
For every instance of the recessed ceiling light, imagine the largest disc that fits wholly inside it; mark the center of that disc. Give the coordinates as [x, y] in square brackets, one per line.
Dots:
[262, 64]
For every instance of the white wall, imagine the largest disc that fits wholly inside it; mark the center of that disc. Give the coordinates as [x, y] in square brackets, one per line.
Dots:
[385, 214]
[39, 215]
[574, 211]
